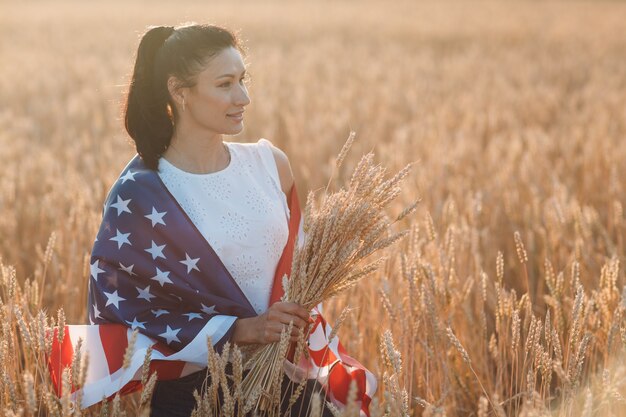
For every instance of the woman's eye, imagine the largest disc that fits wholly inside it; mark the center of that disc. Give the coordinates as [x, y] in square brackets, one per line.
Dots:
[243, 79]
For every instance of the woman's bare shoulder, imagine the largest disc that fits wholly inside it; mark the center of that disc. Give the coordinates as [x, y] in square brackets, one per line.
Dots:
[284, 168]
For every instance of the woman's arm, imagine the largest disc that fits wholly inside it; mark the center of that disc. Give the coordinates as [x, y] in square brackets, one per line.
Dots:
[284, 170]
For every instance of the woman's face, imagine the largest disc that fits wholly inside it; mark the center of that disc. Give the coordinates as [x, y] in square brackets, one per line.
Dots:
[220, 92]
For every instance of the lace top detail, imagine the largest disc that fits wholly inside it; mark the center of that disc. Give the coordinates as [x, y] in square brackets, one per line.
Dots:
[241, 211]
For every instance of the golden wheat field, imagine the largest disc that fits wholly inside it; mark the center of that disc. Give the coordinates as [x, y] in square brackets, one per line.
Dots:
[509, 295]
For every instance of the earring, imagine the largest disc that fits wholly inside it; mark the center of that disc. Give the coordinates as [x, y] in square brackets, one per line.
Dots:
[183, 103]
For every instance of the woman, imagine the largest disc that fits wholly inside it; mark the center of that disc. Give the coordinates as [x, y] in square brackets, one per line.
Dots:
[187, 91]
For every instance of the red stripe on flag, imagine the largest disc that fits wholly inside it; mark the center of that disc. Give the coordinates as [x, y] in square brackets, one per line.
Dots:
[114, 340]
[339, 383]
[323, 357]
[358, 375]
[167, 369]
[365, 405]
[60, 358]
[163, 348]
[284, 264]
[130, 387]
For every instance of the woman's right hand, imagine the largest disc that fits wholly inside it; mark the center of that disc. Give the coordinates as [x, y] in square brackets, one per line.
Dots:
[267, 327]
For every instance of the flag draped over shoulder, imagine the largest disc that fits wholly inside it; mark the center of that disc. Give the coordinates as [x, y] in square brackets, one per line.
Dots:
[152, 270]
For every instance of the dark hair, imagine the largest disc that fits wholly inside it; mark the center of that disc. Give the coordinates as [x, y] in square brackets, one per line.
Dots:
[183, 52]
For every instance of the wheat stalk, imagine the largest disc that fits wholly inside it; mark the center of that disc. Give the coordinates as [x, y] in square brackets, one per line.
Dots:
[347, 227]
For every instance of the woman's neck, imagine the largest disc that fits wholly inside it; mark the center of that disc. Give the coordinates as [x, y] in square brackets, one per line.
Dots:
[199, 155]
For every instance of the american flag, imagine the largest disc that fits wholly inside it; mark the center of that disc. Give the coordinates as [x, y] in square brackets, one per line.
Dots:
[152, 270]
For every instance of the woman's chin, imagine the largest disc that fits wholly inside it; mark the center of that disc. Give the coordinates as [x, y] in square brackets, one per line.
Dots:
[235, 130]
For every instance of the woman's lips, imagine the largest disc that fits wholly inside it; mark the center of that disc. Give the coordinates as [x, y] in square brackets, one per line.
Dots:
[236, 116]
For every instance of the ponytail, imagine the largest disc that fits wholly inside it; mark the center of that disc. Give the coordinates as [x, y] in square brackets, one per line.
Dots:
[147, 120]
[150, 114]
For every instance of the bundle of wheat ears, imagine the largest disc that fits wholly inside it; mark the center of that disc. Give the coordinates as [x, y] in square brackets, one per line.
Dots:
[348, 226]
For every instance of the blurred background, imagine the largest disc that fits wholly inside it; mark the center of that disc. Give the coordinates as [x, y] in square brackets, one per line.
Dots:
[514, 111]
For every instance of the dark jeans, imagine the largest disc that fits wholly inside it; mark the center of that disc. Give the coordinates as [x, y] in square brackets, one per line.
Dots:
[174, 398]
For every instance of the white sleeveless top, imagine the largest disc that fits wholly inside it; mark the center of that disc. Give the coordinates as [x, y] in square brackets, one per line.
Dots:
[241, 211]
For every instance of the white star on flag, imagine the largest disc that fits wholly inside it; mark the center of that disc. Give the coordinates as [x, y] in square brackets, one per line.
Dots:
[190, 263]
[95, 269]
[170, 335]
[121, 205]
[156, 217]
[96, 312]
[159, 312]
[156, 251]
[162, 277]
[193, 316]
[145, 293]
[121, 238]
[113, 298]
[208, 310]
[136, 323]
[130, 175]
[127, 269]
